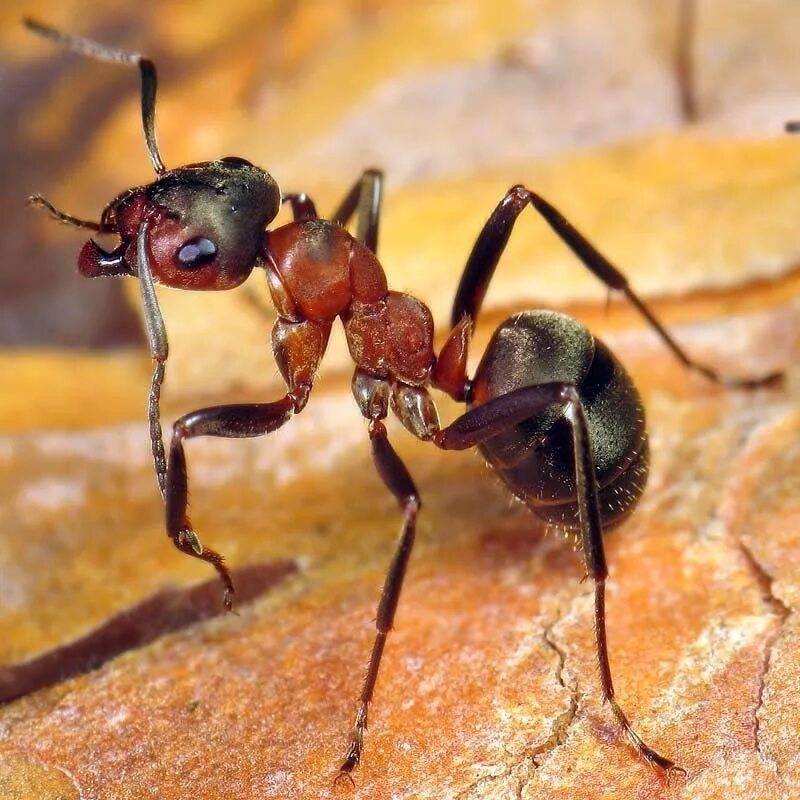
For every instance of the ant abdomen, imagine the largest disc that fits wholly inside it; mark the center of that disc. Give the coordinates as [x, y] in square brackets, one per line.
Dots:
[535, 459]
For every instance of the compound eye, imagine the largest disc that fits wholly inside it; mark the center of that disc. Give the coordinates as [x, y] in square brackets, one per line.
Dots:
[196, 253]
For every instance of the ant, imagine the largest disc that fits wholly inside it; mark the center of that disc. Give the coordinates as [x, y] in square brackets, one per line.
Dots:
[550, 407]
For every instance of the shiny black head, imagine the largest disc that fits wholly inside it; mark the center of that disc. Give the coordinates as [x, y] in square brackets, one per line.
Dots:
[206, 222]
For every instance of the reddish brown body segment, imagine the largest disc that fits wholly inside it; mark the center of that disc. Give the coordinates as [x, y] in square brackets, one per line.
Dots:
[392, 338]
[317, 271]
[312, 264]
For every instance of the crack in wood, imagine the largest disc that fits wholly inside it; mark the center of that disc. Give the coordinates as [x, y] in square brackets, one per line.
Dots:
[562, 723]
[782, 613]
[560, 726]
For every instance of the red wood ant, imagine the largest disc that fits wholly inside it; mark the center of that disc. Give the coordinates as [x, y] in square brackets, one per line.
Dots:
[550, 407]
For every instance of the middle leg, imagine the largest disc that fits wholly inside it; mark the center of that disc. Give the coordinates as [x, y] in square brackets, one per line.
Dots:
[398, 481]
[363, 200]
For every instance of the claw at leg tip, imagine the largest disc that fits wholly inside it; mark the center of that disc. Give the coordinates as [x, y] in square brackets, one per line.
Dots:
[227, 600]
[674, 771]
[342, 776]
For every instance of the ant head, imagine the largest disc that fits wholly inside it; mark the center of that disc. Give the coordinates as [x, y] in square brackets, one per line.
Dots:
[206, 223]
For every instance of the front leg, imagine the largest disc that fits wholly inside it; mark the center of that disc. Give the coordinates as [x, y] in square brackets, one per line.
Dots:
[298, 347]
[254, 419]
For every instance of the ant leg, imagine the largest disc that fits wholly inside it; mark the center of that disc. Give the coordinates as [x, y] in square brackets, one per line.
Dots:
[186, 540]
[483, 422]
[491, 243]
[42, 202]
[101, 52]
[298, 350]
[363, 200]
[239, 421]
[302, 206]
[299, 347]
[450, 370]
[396, 478]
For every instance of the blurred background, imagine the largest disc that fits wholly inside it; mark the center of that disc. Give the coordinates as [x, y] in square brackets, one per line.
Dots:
[664, 142]
[437, 93]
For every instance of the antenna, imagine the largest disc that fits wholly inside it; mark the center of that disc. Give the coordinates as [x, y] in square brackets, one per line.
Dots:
[112, 55]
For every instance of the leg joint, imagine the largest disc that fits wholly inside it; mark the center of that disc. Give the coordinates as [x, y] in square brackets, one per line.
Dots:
[519, 196]
[377, 430]
[570, 394]
[299, 397]
[181, 430]
[412, 504]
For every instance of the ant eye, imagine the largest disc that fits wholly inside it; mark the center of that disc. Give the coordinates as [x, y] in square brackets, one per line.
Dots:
[196, 253]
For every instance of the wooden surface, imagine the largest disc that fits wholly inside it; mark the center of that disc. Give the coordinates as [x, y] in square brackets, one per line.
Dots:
[489, 686]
